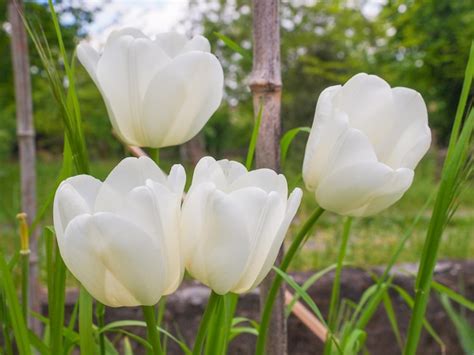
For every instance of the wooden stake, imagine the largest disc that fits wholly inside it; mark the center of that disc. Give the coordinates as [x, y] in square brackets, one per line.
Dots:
[26, 142]
[265, 83]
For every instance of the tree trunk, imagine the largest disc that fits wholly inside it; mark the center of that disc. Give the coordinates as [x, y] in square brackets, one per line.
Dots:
[193, 150]
[26, 141]
[265, 83]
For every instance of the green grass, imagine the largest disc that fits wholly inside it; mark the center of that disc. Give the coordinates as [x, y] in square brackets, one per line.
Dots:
[372, 242]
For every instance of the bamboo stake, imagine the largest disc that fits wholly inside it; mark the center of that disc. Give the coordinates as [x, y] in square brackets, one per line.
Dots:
[265, 83]
[26, 141]
[307, 318]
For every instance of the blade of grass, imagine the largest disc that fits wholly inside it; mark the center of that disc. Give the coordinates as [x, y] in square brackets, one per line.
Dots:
[234, 46]
[466, 88]
[57, 295]
[463, 328]
[287, 139]
[392, 318]
[114, 326]
[449, 181]
[334, 303]
[20, 331]
[306, 285]
[456, 297]
[253, 139]
[410, 303]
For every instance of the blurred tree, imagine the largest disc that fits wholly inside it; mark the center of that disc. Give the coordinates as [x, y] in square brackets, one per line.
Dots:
[73, 18]
[420, 44]
[426, 46]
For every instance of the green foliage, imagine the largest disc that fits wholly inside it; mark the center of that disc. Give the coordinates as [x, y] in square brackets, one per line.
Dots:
[463, 327]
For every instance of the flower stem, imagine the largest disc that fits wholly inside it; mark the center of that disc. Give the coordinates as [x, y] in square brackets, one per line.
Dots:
[212, 305]
[336, 287]
[25, 262]
[152, 330]
[155, 155]
[100, 315]
[266, 314]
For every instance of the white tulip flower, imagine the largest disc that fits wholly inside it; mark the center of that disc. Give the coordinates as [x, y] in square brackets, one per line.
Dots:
[365, 143]
[120, 237]
[158, 92]
[233, 224]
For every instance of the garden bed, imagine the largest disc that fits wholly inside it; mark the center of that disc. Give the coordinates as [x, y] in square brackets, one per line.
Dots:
[185, 307]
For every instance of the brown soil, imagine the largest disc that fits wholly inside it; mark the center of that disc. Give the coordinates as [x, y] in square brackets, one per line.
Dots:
[185, 307]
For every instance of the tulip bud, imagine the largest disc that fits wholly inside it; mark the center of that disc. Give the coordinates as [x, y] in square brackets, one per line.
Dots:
[157, 92]
[365, 143]
[234, 223]
[119, 237]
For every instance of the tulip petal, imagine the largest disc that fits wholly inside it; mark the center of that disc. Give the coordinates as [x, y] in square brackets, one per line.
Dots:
[232, 169]
[353, 147]
[172, 43]
[411, 134]
[192, 224]
[263, 213]
[197, 43]
[349, 188]
[127, 31]
[128, 174]
[226, 250]
[208, 170]
[292, 207]
[388, 194]
[115, 268]
[89, 58]
[266, 179]
[368, 102]
[124, 72]
[177, 179]
[161, 209]
[325, 131]
[195, 78]
[75, 196]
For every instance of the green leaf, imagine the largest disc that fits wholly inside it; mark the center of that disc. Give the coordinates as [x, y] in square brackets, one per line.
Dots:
[56, 298]
[410, 302]
[456, 297]
[253, 140]
[392, 317]
[127, 347]
[38, 344]
[355, 342]
[463, 328]
[20, 330]
[302, 293]
[287, 139]
[135, 323]
[234, 46]
[306, 285]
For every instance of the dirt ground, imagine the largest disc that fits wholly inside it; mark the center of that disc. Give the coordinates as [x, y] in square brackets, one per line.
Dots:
[185, 307]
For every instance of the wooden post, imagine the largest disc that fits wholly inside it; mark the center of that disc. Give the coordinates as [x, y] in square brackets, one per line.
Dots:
[265, 83]
[26, 141]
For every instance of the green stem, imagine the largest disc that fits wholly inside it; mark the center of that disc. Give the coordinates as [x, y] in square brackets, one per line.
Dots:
[336, 287]
[153, 334]
[267, 310]
[155, 155]
[25, 270]
[100, 314]
[212, 305]
[86, 342]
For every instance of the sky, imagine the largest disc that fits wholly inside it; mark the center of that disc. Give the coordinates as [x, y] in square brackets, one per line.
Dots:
[153, 16]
